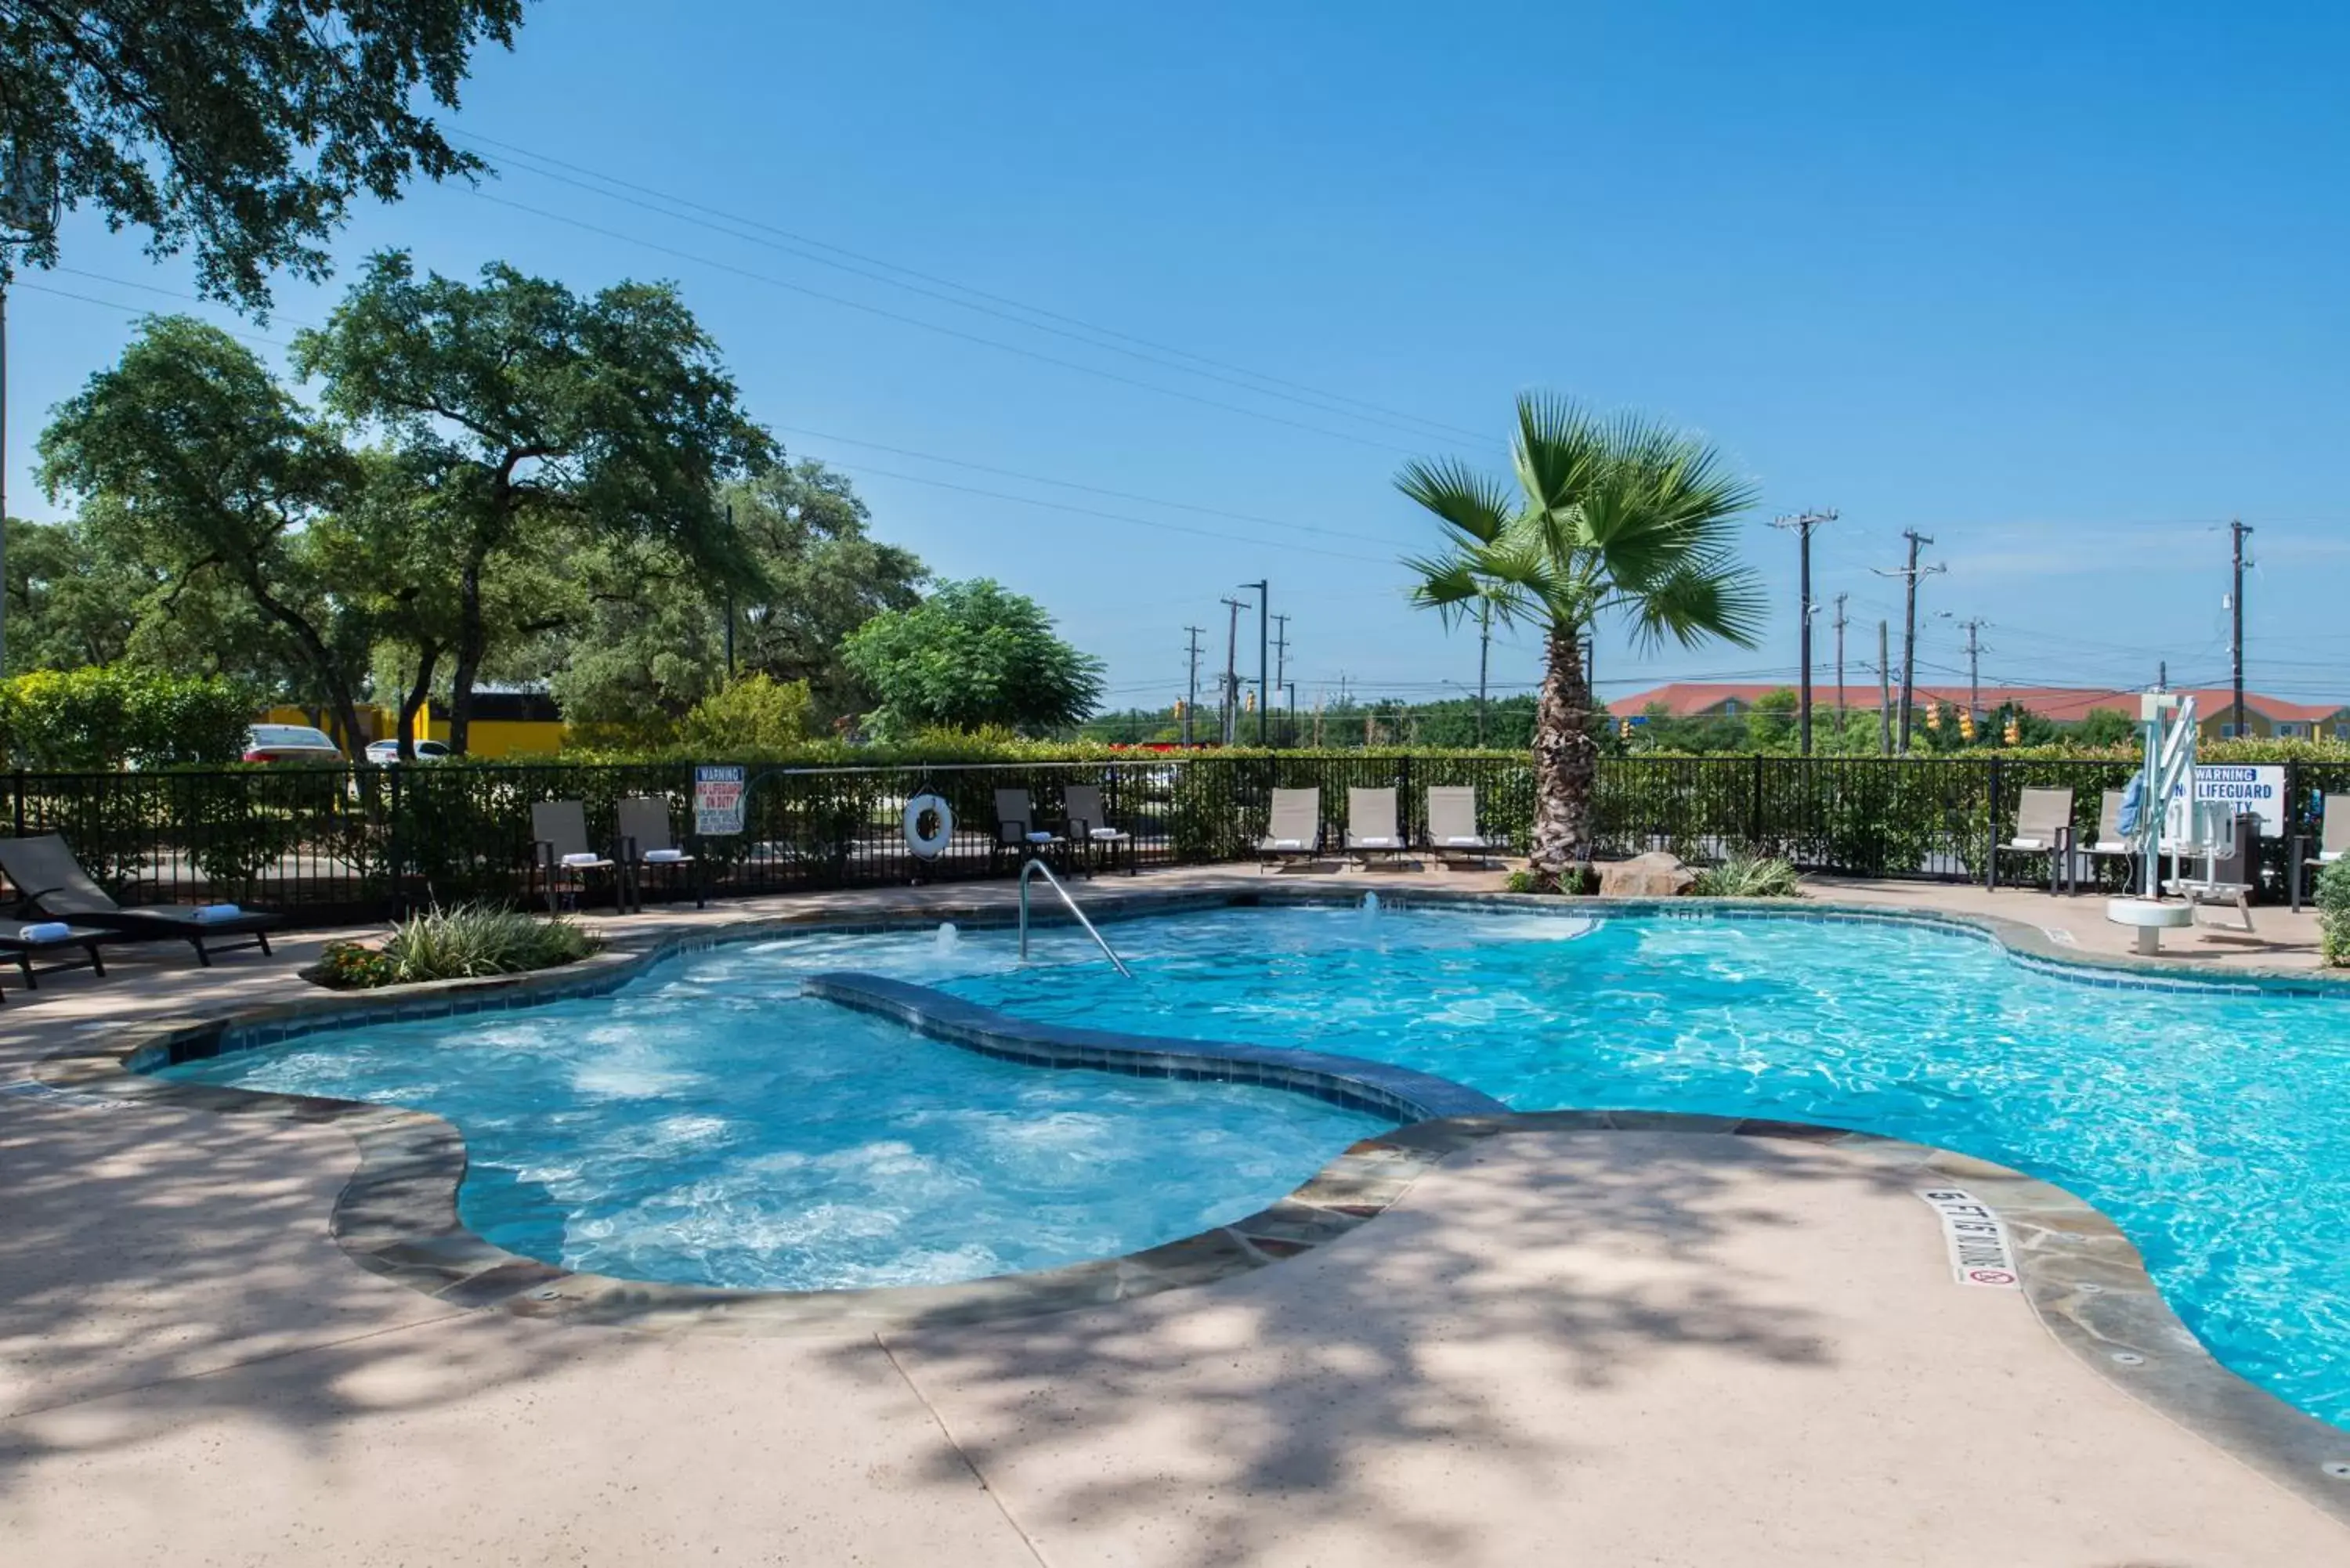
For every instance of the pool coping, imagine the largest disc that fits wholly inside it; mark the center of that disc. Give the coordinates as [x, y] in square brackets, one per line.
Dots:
[396, 1215]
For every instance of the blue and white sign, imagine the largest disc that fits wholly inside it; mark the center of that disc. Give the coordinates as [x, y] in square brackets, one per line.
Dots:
[717, 801]
[2258, 789]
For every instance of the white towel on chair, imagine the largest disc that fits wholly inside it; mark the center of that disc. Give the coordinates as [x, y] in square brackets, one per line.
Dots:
[1458, 843]
[663, 856]
[583, 860]
[1104, 836]
[210, 914]
[1289, 844]
[46, 931]
[2026, 844]
[1040, 838]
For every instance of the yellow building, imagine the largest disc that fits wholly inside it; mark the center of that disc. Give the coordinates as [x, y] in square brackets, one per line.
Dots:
[519, 725]
[504, 724]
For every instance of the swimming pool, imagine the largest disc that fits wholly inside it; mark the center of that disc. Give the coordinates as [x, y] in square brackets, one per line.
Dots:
[707, 1124]
[2213, 1126]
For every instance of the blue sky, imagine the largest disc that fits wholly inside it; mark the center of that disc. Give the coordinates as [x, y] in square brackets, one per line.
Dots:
[2061, 287]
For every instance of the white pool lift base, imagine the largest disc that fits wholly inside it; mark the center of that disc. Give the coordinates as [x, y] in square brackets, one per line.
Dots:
[2150, 919]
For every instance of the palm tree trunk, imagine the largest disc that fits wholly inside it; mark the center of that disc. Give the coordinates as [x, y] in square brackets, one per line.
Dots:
[1566, 762]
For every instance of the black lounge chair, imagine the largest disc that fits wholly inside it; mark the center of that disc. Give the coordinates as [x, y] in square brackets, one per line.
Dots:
[17, 941]
[49, 881]
[647, 845]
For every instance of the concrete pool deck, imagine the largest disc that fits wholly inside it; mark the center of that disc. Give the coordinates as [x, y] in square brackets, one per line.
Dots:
[1613, 1347]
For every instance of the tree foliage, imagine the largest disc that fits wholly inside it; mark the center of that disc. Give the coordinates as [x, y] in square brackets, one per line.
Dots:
[648, 637]
[973, 655]
[188, 457]
[1622, 516]
[241, 128]
[523, 414]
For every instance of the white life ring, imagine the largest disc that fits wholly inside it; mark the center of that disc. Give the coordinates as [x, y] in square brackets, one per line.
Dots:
[929, 845]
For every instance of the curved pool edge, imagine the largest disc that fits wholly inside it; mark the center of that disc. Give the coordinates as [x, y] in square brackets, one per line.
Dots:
[1399, 1095]
[396, 1215]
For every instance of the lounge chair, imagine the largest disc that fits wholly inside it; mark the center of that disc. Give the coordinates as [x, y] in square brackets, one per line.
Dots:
[2332, 843]
[2109, 843]
[1452, 834]
[2043, 826]
[50, 881]
[1089, 827]
[1017, 830]
[1371, 826]
[560, 855]
[24, 940]
[646, 845]
[1294, 832]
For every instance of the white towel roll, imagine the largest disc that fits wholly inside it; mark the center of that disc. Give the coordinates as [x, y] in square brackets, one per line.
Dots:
[583, 860]
[46, 931]
[663, 856]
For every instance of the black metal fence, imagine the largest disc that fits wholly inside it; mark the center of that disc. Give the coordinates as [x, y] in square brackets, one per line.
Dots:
[345, 844]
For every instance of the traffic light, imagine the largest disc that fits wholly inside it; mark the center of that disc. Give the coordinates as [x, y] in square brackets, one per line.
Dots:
[1624, 728]
[1178, 710]
[1967, 726]
[1933, 715]
[1248, 702]
[2014, 731]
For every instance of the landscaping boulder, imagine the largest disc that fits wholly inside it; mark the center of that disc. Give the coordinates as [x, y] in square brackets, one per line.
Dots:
[1655, 875]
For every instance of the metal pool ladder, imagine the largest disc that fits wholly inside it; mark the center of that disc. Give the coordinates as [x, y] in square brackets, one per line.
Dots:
[1038, 866]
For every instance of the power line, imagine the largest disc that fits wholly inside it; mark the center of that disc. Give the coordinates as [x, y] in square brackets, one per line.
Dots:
[1112, 516]
[131, 310]
[1073, 485]
[1377, 413]
[847, 304]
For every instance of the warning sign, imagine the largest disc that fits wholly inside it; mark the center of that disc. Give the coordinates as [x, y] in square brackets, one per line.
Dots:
[2257, 790]
[1979, 1252]
[717, 800]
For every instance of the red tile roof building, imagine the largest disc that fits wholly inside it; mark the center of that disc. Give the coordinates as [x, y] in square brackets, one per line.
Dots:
[2060, 705]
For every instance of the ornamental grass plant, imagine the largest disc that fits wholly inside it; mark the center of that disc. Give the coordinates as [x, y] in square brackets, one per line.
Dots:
[466, 941]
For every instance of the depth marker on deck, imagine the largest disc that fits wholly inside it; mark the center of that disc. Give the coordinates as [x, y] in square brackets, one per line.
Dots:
[1979, 1252]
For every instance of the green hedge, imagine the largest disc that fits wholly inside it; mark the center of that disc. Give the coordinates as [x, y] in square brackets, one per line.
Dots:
[105, 717]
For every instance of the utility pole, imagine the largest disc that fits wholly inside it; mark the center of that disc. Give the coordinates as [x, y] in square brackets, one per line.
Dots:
[1263, 694]
[1191, 703]
[1909, 576]
[1230, 728]
[1281, 670]
[1803, 524]
[1884, 696]
[2237, 530]
[1484, 660]
[1839, 631]
[1974, 667]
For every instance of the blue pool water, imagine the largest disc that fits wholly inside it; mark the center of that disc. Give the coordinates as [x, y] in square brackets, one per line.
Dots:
[2213, 1127]
[707, 1125]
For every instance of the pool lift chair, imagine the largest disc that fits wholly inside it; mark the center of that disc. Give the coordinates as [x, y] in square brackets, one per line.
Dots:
[2207, 830]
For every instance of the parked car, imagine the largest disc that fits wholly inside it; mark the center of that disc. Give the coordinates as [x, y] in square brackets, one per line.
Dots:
[290, 743]
[385, 753]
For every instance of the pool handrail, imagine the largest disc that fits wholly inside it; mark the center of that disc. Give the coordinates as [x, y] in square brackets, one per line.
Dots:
[1034, 864]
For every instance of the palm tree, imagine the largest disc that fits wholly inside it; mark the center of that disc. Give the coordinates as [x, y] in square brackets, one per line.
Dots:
[1623, 515]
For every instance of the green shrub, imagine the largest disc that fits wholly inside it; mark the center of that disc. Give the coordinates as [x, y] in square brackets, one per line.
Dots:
[464, 943]
[103, 716]
[756, 714]
[2333, 913]
[1749, 877]
[1520, 882]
